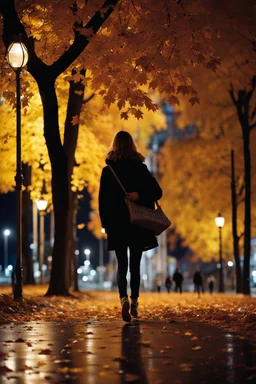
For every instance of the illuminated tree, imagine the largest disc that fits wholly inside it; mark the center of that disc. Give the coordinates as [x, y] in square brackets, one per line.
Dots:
[120, 46]
[97, 129]
[227, 105]
[195, 186]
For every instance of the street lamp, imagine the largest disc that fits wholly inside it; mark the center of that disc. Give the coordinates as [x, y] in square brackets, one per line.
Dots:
[17, 56]
[87, 253]
[7, 233]
[41, 204]
[219, 221]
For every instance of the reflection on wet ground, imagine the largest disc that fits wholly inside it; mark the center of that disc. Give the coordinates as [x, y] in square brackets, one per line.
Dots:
[111, 352]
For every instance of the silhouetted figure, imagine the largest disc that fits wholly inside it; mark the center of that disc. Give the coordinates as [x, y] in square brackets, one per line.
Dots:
[198, 281]
[211, 281]
[168, 283]
[178, 279]
[125, 176]
[158, 283]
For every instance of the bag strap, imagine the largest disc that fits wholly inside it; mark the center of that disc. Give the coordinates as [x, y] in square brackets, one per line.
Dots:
[119, 182]
[121, 185]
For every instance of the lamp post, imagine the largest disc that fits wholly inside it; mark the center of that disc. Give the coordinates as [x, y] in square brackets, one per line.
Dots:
[219, 221]
[7, 233]
[17, 56]
[41, 206]
[101, 257]
[87, 253]
[231, 269]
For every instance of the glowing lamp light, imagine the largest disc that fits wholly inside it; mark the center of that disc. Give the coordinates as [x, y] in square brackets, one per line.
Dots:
[17, 55]
[230, 264]
[87, 252]
[219, 221]
[41, 204]
[103, 230]
[7, 232]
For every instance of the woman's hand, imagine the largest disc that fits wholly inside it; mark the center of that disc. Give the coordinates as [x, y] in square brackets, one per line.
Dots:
[132, 196]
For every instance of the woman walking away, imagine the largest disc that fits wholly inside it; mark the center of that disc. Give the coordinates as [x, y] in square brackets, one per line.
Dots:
[142, 188]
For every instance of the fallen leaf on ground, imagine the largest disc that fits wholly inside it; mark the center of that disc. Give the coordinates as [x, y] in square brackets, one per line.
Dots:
[20, 340]
[103, 373]
[45, 352]
[4, 369]
[120, 358]
[197, 348]
[143, 343]
[186, 367]
[129, 377]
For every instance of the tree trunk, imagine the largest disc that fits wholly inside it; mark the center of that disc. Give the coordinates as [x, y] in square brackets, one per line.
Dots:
[58, 282]
[242, 104]
[247, 212]
[234, 227]
[45, 77]
[71, 243]
[35, 231]
[75, 256]
[28, 276]
[74, 108]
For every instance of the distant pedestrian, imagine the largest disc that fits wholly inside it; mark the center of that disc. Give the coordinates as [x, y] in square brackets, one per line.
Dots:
[178, 279]
[211, 281]
[168, 283]
[198, 282]
[158, 283]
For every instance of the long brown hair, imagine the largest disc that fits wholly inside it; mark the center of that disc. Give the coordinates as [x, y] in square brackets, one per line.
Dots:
[123, 147]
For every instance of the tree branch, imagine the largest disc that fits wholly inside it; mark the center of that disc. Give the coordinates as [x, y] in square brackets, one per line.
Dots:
[241, 190]
[240, 236]
[85, 101]
[253, 114]
[240, 201]
[232, 94]
[81, 41]
[252, 126]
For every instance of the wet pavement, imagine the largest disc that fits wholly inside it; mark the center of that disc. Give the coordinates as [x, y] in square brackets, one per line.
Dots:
[146, 351]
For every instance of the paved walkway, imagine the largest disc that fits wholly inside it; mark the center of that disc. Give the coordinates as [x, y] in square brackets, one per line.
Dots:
[110, 352]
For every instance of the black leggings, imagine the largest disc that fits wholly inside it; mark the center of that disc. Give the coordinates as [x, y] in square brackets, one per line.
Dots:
[122, 261]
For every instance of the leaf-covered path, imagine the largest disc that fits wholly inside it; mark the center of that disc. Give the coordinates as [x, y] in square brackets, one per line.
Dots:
[233, 313]
[82, 339]
[103, 351]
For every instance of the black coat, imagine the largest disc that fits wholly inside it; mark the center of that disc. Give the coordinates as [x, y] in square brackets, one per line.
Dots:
[197, 278]
[177, 278]
[135, 177]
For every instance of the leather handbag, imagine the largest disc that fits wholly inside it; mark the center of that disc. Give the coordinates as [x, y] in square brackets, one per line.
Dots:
[153, 219]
